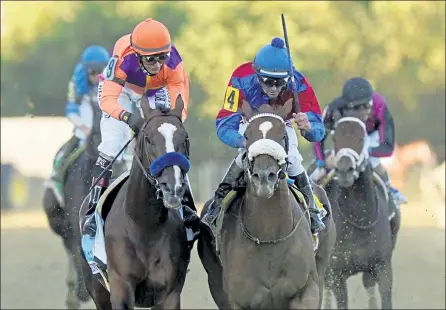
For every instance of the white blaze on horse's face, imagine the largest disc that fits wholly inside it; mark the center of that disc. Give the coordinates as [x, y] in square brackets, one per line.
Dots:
[265, 127]
[167, 130]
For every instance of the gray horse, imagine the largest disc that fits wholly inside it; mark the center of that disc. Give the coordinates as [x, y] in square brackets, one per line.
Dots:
[266, 258]
[361, 208]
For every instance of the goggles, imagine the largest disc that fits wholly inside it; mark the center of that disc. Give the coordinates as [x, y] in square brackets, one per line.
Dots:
[155, 58]
[270, 82]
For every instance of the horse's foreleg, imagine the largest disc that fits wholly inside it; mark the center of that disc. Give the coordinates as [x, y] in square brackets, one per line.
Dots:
[369, 281]
[328, 289]
[309, 298]
[122, 293]
[71, 300]
[340, 292]
[101, 297]
[172, 301]
[327, 297]
[385, 283]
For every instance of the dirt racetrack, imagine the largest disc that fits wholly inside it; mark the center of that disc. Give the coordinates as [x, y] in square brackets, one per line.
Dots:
[34, 266]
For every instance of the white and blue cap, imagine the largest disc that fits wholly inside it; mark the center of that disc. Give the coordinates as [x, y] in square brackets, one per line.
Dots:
[272, 60]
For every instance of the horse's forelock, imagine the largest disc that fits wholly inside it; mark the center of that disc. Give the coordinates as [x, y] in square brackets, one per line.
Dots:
[266, 133]
[265, 125]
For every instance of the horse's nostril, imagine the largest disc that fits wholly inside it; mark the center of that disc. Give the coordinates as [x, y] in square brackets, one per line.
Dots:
[272, 176]
[255, 176]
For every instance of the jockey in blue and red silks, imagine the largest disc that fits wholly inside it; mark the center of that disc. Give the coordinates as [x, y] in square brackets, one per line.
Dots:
[266, 80]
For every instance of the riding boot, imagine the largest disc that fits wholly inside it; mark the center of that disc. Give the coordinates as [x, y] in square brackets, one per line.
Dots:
[232, 175]
[59, 169]
[89, 228]
[303, 184]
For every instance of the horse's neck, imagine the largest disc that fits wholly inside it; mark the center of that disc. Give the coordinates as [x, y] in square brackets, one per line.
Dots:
[360, 199]
[268, 218]
[141, 203]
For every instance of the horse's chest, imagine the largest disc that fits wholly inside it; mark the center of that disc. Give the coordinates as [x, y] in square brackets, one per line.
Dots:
[257, 278]
[158, 264]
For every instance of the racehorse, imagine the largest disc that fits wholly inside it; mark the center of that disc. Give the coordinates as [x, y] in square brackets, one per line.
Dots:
[265, 256]
[366, 236]
[63, 220]
[145, 238]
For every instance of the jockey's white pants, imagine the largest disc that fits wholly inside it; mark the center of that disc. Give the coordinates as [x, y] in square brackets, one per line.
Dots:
[295, 166]
[85, 117]
[373, 141]
[115, 133]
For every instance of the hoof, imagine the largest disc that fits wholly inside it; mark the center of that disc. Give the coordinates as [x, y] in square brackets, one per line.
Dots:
[72, 304]
[83, 295]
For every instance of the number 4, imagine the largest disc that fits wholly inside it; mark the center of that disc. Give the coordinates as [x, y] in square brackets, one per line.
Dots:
[231, 99]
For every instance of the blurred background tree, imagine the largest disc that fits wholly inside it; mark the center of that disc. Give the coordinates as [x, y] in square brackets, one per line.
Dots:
[399, 46]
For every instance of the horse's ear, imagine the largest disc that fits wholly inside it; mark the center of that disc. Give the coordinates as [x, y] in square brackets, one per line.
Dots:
[285, 110]
[247, 110]
[145, 106]
[266, 108]
[179, 106]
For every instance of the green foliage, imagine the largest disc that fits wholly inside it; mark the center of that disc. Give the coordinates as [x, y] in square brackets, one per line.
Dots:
[399, 46]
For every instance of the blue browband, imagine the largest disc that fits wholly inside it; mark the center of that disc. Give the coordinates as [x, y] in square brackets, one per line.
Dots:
[168, 160]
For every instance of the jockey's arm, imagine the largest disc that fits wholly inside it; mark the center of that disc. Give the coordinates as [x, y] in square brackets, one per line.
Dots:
[177, 84]
[227, 129]
[111, 88]
[310, 106]
[77, 88]
[228, 118]
[386, 130]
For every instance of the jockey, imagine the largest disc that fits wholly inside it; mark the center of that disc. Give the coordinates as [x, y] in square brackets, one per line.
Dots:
[81, 96]
[266, 80]
[144, 62]
[358, 96]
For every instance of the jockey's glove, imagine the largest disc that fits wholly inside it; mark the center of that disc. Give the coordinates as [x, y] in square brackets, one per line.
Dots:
[134, 121]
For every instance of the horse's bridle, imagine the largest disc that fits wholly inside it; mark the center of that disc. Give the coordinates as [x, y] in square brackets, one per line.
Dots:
[249, 163]
[359, 160]
[153, 179]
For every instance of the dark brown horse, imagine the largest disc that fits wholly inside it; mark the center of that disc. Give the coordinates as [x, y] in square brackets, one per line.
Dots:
[145, 239]
[266, 257]
[361, 209]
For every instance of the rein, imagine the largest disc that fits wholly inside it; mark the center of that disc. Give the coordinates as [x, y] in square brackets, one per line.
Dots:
[274, 241]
